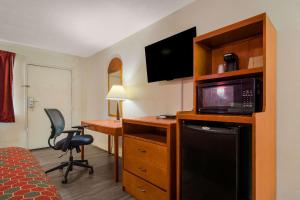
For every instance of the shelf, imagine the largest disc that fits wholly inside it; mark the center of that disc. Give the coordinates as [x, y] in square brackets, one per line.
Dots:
[240, 72]
[230, 34]
[149, 137]
[245, 119]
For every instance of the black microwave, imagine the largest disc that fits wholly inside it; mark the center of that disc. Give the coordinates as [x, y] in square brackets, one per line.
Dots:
[239, 96]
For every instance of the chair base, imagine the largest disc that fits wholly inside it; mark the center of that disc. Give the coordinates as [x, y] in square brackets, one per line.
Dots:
[69, 165]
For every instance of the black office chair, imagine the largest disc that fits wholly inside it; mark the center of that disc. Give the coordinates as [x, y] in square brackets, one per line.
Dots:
[73, 141]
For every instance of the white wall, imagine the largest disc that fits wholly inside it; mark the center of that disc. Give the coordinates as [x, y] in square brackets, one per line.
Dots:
[164, 97]
[14, 134]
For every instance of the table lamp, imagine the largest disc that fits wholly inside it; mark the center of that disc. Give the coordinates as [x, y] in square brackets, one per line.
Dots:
[117, 93]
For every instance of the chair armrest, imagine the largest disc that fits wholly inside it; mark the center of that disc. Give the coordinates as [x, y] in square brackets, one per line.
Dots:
[70, 131]
[80, 127]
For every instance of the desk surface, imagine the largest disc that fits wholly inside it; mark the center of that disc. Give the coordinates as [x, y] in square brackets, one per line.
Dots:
[111, 127]
[106, 123]
[152, 120]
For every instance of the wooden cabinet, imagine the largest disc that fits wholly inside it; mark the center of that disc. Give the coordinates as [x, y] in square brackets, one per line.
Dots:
[149, 167]
[147, 160]
[252, 37]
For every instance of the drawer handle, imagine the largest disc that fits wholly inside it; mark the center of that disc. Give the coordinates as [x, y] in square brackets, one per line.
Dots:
[142, 150]
[141, 189]
[142, 169]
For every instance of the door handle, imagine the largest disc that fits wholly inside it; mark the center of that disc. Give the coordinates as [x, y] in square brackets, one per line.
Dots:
[31, 102]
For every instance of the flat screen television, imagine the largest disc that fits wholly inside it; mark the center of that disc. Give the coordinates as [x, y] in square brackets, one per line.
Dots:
[171, 58]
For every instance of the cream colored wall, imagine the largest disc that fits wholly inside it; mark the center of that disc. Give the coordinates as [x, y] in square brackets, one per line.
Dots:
[14, 134]
[164, 97]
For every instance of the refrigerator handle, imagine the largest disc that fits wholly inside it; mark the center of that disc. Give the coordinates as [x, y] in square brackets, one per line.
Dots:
[199, 128]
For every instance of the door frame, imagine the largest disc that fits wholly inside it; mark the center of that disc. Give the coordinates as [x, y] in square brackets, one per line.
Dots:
[26, 86]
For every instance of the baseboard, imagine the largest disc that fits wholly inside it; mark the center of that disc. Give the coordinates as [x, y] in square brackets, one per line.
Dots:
[105, 149]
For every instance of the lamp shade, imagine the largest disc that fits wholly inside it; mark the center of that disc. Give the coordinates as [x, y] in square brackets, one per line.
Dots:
[117, 92]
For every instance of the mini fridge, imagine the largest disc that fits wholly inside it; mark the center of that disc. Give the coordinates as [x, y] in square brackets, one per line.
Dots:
[215, 161]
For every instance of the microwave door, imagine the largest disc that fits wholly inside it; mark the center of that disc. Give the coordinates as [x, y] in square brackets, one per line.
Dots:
[224, 98]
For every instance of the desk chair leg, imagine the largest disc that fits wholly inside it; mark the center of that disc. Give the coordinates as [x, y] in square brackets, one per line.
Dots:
[82, 161]
[67, 172]
[116, 149]
[72, 162]
[82, 147]
[109, 144]
[80, 164]
[61, 166]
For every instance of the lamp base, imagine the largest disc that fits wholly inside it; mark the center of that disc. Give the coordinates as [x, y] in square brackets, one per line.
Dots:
[118, 112]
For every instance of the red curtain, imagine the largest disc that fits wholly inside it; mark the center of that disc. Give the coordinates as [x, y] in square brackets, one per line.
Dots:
[6, 81]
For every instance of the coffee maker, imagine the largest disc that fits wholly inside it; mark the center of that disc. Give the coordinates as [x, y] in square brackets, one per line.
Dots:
[231, 61]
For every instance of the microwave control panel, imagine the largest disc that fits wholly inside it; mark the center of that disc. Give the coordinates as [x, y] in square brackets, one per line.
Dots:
[248, 99]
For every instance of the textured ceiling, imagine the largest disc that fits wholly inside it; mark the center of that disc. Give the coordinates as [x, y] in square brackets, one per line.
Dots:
[79, 27]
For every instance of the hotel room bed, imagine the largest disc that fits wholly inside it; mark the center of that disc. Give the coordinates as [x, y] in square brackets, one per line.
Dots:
[21, 177]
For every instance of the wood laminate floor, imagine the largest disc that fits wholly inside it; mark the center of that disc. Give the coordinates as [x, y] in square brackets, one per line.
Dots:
[81, 185]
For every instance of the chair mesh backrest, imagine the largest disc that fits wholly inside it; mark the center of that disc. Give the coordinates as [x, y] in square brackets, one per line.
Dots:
[57, 121]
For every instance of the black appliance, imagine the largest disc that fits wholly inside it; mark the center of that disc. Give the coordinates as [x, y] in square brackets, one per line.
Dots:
[239, 96]
[231, 61]
[215, 162]
[171, 58]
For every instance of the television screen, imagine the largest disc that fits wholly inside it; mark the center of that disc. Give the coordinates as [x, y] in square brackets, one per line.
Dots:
[171, 58]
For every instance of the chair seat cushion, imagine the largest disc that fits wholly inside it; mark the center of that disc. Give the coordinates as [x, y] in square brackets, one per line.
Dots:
[81, 140]
[77, 140]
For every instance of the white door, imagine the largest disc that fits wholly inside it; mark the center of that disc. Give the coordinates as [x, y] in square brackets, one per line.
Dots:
[47, 88]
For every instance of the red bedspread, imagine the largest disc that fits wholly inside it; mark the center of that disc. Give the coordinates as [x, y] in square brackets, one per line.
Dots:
[21, 177]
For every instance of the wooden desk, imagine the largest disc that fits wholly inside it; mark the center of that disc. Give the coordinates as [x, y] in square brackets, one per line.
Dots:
[110, 128]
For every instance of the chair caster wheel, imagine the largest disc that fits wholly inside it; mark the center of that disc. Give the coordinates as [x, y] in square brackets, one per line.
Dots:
[91, 171]
[64, 181]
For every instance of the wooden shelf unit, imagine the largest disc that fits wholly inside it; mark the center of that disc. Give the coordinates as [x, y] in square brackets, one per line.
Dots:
[149, 166]
[243, 119]
[150, 137]
[212, 55]
[255, 36]
[237, 73]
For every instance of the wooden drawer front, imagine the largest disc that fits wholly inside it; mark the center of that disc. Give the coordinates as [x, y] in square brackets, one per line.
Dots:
[145, 151]
[146, 160]
[157, 176]
[142, 190]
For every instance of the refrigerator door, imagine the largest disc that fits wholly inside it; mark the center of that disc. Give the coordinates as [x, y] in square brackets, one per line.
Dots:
[209, 163]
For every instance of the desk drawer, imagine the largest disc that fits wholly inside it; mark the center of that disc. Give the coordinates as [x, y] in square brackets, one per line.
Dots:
[141, 189]
[146, 160]
[146, 151]
[154, 174]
